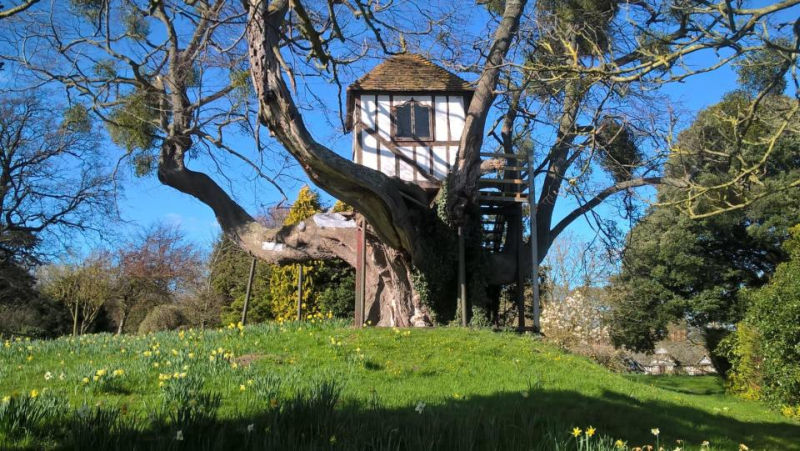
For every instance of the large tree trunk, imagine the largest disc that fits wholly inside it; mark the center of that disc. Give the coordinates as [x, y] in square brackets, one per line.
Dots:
[400, 214]
[391, 298]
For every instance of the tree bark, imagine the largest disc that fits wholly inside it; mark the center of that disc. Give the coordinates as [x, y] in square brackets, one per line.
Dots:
[398, 212]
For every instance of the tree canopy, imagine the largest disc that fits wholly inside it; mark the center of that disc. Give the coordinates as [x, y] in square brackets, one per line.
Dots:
[677, 268]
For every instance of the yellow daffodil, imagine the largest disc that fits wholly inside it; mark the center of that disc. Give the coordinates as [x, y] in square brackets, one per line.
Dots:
[242, 387]
[85, 380]
[34, 393]
[576, 432]
[619, 444]
[6, 399]
[590, 431]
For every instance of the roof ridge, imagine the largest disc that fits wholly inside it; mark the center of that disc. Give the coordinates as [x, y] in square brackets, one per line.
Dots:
[419, 74]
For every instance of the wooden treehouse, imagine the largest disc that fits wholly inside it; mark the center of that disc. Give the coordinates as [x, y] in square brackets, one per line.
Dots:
[407, 115]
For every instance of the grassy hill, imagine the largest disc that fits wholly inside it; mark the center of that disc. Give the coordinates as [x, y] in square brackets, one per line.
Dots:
[326, 386]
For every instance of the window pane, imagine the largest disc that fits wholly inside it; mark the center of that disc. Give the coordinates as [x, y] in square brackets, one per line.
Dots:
[403, 118]
[422, 121]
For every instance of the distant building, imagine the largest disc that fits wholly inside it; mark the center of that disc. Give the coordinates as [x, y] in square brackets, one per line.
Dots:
[683, 352]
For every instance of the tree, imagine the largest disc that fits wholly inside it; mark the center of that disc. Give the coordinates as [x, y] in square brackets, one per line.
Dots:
[768, 117]
[83, 288]
[16, 9]
[24, 310]
[152, 269]
[52, 180]
[573, 61]
[677, 268]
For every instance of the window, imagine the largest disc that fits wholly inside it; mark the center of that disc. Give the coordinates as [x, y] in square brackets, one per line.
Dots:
[412, 121]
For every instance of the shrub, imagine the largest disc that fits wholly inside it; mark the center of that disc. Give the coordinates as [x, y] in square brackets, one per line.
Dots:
[768, 356]
[162, 317]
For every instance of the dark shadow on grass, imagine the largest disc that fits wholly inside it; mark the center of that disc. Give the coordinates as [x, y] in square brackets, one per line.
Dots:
[503, 421]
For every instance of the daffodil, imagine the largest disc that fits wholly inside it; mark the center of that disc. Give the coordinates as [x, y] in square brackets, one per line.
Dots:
[242, 387]
[619, 444]
[34, 393]
[590, 431]
[576, 432]
[655, 431]
[6, 399]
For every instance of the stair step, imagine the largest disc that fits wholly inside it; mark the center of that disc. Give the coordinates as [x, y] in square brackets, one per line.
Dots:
[493, 198]
[502, 181]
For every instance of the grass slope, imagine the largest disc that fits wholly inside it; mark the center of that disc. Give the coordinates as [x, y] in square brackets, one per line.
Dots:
[269, 386]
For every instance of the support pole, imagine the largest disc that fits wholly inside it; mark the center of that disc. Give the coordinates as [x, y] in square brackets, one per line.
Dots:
[361, 252]
[299, 291]
[534, 243]
[520, 274]
[247, 292]
[462, 278]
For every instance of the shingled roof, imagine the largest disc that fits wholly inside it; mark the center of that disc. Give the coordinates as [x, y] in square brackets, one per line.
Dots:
[408, 72]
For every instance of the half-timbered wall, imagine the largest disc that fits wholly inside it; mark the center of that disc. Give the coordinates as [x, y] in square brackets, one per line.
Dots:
[423, 162]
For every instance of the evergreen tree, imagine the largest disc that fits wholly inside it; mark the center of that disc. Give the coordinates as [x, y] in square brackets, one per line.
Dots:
[676, 268]
[327, 286]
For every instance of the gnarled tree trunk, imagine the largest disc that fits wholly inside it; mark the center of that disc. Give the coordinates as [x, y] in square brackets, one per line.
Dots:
[400, 214]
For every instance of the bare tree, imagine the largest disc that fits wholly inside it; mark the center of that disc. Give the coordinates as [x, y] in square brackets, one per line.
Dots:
[573, 263]
[154, 268]
[52, 180]
[84, 288]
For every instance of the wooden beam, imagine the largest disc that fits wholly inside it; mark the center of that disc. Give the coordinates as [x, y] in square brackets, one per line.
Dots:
[247, 292]
[360, 270]
[299, 291]
[501, 198]
[462, 278]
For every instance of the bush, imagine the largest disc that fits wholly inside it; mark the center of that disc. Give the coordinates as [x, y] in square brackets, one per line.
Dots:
[766, 359]
[162, 317]
[743, 350]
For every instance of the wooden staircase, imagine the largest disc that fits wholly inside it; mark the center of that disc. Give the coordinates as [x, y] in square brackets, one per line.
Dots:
[501, 195]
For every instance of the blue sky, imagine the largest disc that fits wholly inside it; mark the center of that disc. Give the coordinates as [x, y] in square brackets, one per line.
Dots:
[145, 201]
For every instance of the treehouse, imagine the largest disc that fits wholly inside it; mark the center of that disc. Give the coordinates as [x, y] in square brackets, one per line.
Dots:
[407, 115]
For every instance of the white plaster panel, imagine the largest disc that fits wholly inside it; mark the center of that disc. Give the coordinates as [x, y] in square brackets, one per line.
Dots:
[440, 166]
[388, 165]
[406, 170]
[456, 105]
[440, 119]
[423, 161]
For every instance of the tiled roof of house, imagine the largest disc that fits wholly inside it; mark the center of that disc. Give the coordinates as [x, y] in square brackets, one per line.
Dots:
[409, 72]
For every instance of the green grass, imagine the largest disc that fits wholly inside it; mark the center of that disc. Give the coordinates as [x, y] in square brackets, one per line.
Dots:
[326, 386]
[693, 385]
